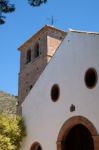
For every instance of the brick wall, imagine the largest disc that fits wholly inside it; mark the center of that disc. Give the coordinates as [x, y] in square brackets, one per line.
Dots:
[29, 72]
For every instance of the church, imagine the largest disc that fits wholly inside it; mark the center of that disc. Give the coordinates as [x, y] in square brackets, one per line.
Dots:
[58, 91]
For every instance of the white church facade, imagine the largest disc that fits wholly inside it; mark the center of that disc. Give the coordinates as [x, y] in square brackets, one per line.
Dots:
[61, 110]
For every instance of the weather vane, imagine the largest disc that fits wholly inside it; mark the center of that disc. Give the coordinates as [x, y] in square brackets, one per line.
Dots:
[51, 20]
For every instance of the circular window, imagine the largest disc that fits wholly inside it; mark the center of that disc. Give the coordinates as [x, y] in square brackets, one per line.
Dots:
[36, 146]
[91, 78]
[55, 92]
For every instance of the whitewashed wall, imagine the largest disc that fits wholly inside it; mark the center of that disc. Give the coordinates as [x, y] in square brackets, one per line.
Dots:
[44, 118]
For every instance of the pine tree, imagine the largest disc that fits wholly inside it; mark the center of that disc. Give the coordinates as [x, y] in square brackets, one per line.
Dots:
[36, 2]
[5, 7]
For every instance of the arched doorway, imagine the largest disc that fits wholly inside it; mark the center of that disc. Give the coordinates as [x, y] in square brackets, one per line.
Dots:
[78, 133]
[78, 138]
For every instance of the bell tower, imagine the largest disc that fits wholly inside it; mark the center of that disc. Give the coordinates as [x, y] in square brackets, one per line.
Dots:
[35, 54]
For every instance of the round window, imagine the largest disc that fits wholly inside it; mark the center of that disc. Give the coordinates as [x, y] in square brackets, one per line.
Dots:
[55, 92]
[36, 146]
[91, 78]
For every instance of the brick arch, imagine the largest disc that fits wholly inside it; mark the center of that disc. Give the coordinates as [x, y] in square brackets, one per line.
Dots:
[35, 145]
[70, 123]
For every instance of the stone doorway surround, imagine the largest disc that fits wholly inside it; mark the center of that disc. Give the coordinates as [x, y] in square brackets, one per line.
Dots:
[70, 123]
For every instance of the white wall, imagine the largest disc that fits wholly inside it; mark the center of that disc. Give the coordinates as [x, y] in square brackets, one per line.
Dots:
[44, 118]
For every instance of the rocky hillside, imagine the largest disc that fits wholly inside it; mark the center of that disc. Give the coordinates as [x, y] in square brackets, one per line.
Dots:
[7, 103]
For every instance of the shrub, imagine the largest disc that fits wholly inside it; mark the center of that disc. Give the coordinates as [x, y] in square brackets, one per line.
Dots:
[12, 130]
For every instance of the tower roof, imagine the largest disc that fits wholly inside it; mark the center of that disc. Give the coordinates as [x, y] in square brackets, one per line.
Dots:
[38, 34]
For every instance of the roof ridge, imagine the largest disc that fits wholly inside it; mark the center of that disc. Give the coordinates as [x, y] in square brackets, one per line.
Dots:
[82, 31]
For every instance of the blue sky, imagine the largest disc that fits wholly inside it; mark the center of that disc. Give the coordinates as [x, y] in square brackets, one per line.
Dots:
[26, 20]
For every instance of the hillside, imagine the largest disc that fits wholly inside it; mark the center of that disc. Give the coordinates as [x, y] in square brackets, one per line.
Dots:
[7, 103]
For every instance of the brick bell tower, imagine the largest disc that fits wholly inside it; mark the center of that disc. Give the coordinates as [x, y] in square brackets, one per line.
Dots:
[35, 54]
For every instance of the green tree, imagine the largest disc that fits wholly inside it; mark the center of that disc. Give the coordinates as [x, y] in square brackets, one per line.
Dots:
[6, 7]
[12, 130]
[36, 2]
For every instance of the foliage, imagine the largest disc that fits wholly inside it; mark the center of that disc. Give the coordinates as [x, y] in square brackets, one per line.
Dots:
[7, 103]
[12, 130]
[5, 7]
[36, 2]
